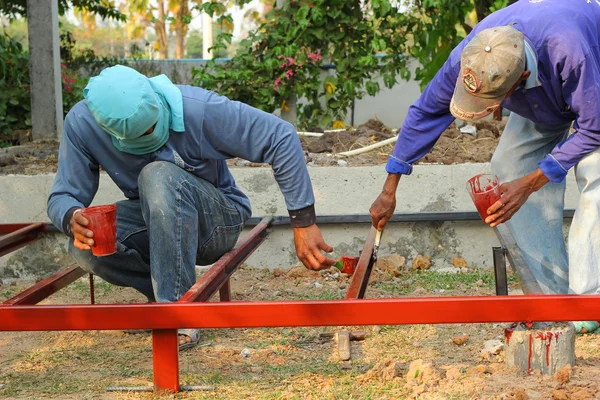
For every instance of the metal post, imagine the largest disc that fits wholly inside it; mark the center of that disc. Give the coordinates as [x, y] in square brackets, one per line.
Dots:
[92, 297]
[500, 271]
[165, 356]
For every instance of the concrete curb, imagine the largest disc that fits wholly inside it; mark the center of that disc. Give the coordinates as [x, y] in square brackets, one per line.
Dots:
[338, 190]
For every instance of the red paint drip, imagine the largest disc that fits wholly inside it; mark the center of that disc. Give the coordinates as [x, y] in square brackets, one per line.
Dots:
[529, 324]
[530, 354]
[547, 337]
[509, 331]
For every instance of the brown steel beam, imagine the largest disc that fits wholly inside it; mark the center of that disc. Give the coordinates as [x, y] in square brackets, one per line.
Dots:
[360, 278]
[21, 236]
[47, 287]
[219, 273]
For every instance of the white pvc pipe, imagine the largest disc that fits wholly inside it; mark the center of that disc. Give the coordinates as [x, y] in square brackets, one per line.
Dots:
[368, 148]
[312, 134]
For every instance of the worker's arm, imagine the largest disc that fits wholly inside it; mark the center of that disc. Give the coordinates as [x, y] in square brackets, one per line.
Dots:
[233, 129]
[427, 119]
[75, 184]
[582, 94]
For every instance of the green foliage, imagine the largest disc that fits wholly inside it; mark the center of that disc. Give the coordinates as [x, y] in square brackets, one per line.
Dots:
[282, 57]
[102, 8]
[193, 44]
[15, 104]
[441, 25]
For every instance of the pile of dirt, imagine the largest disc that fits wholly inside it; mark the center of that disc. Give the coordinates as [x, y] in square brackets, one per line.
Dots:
[453, 147]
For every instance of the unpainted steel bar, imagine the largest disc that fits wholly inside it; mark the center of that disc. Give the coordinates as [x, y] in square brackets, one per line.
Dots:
[46, 287]
[165, 359]
[500, 271]
[219, 273]
[515, 257]
[182, 388]
[92, 295]
[360, 278]
[426, 310]
[448, 216]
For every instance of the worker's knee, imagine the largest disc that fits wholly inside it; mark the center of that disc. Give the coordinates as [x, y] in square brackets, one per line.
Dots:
[84, 258]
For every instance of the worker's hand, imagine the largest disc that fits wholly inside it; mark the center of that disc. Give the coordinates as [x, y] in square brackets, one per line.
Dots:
[309, 243]
[82, 237]
[514, 195]
[382, 209]
[384, 205]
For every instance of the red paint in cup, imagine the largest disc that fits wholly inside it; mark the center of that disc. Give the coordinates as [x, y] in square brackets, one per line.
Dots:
[103, 223]
[485, 191]
[350, 264]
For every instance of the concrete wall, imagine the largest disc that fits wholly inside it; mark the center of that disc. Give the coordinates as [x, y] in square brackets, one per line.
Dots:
[338, 190]
[390, 105]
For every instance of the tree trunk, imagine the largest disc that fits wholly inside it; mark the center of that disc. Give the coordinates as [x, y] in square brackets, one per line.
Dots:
[181, 29]
[161, 31]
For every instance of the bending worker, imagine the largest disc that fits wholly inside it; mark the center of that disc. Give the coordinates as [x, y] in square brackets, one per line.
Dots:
[165, 147]
[540, 60]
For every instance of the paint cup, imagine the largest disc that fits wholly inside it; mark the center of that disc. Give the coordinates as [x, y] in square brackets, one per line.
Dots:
[103, 223]
[485, 191]
[350, 264]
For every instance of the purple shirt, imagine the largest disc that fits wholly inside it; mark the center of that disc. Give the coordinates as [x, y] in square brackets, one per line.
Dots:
[564, 35]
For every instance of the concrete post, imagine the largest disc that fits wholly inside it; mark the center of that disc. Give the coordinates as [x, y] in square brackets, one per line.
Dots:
[545, 348]
[44, 69]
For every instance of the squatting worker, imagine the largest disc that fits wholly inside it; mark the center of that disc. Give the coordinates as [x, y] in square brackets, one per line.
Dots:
[165, 146]
[540, 59]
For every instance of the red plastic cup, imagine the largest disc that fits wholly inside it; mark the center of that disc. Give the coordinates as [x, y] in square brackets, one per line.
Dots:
[485, 191]
[350, 264]
[103, 223]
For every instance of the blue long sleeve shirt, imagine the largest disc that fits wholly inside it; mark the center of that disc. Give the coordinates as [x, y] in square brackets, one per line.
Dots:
[216, 129]
[564, 38]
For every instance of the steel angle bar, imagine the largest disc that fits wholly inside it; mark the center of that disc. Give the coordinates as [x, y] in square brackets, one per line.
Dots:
[219, 273]
[360, 278]
[46, 287]
[21, 236]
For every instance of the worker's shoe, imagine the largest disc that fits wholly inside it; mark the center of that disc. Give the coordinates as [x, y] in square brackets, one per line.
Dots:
[188, 338]
[586, 326]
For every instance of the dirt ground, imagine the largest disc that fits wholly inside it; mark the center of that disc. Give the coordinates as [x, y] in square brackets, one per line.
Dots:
[393, 362]
[453, 147]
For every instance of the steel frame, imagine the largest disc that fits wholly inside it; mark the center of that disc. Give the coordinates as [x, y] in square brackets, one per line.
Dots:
[21, 313]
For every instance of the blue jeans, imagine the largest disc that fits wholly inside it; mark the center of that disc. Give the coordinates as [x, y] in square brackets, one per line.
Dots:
[178, 222]
[538, 225]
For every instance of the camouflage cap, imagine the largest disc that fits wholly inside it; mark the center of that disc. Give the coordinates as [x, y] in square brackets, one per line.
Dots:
[490, 65]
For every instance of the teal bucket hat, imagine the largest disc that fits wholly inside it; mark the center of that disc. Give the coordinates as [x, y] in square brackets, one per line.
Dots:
[126, 104]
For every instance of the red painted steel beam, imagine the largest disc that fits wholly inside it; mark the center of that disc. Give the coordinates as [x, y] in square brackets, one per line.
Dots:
[47, 287]
[19, 237]
[165, 360]
[437, 310]
[360, 278]
[219, 273]
[10, 228]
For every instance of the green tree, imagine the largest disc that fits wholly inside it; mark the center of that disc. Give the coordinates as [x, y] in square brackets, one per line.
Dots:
[194, 44]
[103, 8]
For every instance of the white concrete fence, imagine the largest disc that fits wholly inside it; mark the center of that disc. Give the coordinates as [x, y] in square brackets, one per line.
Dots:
[338, 191]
